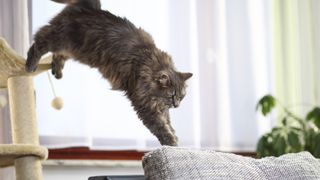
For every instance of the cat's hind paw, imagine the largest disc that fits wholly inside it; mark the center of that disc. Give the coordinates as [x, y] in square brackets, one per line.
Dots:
[57, 65]
[56, 71]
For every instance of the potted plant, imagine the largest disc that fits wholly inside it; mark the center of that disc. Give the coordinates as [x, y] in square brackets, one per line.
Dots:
[293, 134]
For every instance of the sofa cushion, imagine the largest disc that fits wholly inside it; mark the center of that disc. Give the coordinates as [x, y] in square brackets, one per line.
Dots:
[179, 163]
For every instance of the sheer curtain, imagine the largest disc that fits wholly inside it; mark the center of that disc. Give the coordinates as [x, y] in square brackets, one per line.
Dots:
[15, 29]
[296, 57]
[226, 44]
[235, 71]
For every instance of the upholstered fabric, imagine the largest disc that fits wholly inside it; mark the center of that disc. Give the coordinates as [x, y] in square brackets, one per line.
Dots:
[172, 163]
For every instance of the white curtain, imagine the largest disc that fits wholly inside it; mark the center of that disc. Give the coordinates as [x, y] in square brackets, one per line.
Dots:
[296, 53]
[226, 44]
[14, 28]
[235, 71]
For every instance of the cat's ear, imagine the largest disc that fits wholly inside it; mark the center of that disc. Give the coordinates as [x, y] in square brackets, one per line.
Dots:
[185, 76]
[163, 79]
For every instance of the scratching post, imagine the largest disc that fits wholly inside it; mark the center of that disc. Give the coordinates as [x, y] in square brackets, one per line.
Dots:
[25, 153]
[22, 110]
[24, 124]
[28, 168]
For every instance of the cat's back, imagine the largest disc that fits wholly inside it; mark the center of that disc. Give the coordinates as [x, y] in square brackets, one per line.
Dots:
[86, 18]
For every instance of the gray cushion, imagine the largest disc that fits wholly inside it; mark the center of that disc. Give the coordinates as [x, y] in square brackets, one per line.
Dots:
[179, 163]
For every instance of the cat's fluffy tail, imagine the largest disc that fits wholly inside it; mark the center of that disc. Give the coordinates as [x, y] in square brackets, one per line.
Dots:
[95, 4]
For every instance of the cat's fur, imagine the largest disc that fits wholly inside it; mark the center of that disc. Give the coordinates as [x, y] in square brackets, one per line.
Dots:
[124, 54]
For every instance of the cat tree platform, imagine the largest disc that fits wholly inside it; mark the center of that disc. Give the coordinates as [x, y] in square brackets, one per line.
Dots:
[10, 152]
[24, 153]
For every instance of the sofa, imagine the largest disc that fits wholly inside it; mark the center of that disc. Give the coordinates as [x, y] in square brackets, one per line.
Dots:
[174, 163]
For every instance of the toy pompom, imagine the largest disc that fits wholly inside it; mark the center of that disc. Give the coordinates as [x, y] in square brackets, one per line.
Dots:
[3, 101]
[57, 103]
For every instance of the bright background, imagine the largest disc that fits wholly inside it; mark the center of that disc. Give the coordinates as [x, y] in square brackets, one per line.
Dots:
[238, 51]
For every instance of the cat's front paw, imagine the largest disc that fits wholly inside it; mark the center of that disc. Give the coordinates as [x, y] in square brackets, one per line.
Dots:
[169, 141]
[173, 143]
[30, 66]
[32, 61]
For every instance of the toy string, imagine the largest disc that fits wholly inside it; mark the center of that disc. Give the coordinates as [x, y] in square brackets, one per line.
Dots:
[51, 84]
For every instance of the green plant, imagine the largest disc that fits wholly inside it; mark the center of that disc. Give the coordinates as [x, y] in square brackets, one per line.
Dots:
[293, 134]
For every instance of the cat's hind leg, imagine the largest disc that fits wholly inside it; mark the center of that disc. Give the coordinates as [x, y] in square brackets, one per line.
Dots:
[58, 62]
[40, 46]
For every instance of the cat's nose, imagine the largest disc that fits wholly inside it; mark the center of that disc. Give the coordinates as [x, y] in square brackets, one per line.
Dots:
[175, 104]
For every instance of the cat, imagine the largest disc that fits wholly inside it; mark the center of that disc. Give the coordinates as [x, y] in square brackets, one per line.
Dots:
[124, 54]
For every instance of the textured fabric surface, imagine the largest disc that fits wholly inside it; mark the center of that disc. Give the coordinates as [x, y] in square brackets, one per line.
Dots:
[10, 152]
[184, 164]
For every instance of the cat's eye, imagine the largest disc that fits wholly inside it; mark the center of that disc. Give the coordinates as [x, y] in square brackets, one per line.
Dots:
[171, 93]
[164, 76]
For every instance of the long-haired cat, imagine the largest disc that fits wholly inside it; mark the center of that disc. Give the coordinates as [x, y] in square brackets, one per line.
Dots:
[124, 54]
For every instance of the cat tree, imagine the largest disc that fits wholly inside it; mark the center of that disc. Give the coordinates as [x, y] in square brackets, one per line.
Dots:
[24, 153]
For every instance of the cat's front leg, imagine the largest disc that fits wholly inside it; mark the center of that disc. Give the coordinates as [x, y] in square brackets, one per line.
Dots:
[158, 125]
[58, 62]
[167, 118]
[42, 43]
[34, 54]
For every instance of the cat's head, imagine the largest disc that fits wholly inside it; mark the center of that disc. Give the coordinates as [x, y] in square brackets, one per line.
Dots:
[171, 87]
[168, 86]
[159, 84]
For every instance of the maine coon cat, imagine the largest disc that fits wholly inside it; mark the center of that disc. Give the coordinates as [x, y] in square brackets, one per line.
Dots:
[125, 55]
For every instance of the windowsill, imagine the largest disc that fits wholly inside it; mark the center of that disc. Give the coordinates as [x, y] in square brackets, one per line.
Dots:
[85, 155]
[95, 163]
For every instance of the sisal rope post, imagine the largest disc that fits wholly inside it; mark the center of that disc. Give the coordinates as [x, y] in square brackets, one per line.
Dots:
[24, 125]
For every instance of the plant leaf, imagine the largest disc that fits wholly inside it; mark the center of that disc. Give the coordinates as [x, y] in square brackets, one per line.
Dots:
[284, 121]
[266, 104]
[316, 152]
[314, 116]
[280, 145]
[264, 147]
[310, 140]
[276, 130]
[297, 129]
[295, 140]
